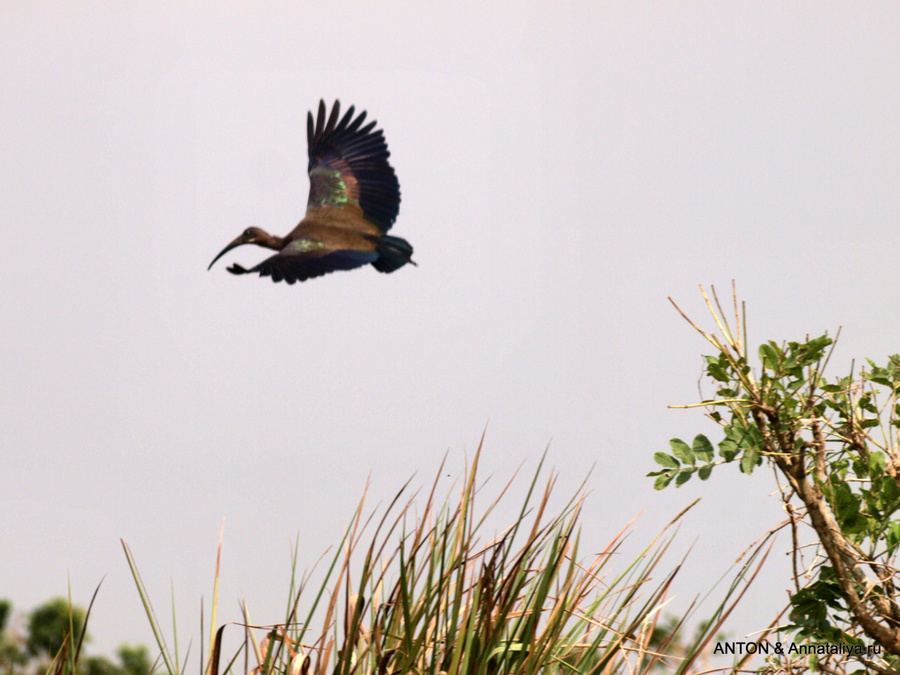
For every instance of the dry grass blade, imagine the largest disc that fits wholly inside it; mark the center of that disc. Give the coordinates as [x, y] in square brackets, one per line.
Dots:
[172, 665]
[215, 636]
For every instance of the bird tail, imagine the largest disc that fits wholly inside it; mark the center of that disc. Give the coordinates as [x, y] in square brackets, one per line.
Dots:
[393, 253]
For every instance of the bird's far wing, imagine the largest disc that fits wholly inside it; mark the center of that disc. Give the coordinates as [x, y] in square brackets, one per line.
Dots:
[302, 259]
[348, 164]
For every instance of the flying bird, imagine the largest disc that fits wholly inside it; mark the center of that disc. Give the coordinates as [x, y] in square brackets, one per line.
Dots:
[354, 197]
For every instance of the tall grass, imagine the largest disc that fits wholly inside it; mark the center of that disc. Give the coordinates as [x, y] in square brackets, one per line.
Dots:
[424, 589]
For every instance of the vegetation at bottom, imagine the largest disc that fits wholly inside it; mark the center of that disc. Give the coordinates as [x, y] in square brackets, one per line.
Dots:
[430, 586]
[423, 588]
[833, 450]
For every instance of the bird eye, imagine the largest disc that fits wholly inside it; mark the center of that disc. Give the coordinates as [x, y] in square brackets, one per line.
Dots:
[248, 232]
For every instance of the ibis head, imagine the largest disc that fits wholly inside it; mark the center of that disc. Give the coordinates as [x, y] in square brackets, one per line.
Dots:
[252, 235]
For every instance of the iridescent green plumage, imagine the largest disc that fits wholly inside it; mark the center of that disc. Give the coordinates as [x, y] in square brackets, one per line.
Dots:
[330, 189]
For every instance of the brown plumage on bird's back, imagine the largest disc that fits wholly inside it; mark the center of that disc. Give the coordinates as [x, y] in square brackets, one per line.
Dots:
[335, 238]
[350, 217]
[354, 199]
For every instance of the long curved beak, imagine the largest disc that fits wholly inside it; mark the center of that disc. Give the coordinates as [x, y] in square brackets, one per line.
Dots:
[237, 242]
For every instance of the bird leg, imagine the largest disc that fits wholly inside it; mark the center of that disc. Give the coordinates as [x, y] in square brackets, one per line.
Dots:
[237, 269]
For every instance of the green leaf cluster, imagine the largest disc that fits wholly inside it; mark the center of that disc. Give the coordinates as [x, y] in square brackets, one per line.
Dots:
[684, 462]
[818, 609]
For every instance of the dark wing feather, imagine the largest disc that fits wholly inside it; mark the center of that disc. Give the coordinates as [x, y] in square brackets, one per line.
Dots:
[348, 164]
[292, 267]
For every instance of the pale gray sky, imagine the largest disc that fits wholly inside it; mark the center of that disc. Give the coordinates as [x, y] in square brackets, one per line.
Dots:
[564, 167]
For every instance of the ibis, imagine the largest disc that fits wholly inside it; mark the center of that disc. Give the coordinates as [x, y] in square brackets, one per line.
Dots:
[354, 198]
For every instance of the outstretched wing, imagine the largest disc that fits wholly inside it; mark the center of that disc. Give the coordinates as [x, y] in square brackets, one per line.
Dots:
[348, 166]
[294, 264]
